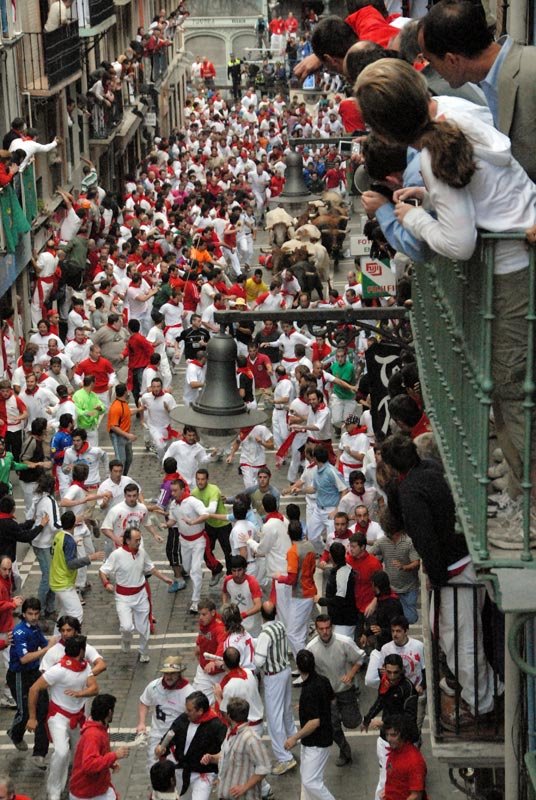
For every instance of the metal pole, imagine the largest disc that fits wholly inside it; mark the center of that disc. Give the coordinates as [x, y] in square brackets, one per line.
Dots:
[512, 688]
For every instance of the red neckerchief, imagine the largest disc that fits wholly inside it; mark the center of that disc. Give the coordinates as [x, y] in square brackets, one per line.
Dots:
[235, 729]
[282, 378]
[64, 400]
[237, 672]
[362, 528]
[207, 716]
[196, 362]
[78, 483]
[159, 394]
[274, 515]
[291, 331]
[384, 684]
[401, 477]
[180, 683]
[32, 391]
[54, 329]
[73, 664]
[245, 432]
[83, 449]
[346, 535]
[4, 515]
[27, 370]
[245, 371]
[133, 553]
[391, 596]
[359, 429]
[320, 407]
[43, 377]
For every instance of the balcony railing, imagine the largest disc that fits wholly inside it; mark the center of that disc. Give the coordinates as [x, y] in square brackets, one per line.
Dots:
[452, 318]
[92, 13]
[105, 119]
[49, 59]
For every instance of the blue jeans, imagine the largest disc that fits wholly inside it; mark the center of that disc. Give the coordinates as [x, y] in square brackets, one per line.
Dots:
[44, 592]
[123, 450]
[408, 601]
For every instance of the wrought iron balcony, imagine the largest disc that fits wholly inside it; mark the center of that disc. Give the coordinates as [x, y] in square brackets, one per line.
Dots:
[452, 318]
[106, 119]
[50, 59]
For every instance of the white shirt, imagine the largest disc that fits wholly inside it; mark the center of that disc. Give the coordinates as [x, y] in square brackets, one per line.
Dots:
[242, 534]
[117, 490]
[194, 374]
[252, 453]
[137, 307]
[189, 508]
[274, 545]
[172, 315]
[283, 388]
[44, 504]
[70, 225]
[156, 337]
[75, 320]
[248, 689]
[158, 409]
[77, 352]
[288, 342]
[322, 420]
[357, 443]
[244, 644]
[412, 654]
[167, 703]
[60, 679]
[37, 403]
[56, 653]
[75, 492]
[42, 342]
[189, 458]
[128, 569]
[93, 457]
[122, 516]
[241, 594]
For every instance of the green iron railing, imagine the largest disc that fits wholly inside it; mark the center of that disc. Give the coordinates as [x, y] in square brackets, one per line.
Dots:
[452, 317]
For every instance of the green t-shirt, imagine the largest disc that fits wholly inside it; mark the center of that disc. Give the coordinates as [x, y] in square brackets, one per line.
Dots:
[345, 372]
[207, 496]
[7, 463]
[86, 402]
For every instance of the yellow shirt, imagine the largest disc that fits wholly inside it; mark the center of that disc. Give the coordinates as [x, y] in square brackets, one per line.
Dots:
[254, 289]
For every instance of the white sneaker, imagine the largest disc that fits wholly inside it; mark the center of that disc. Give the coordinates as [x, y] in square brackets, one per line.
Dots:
[126, 642]
[144, 658]
[194, 608]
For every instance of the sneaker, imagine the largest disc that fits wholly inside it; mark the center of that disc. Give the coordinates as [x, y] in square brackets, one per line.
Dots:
[193, 608]
[216, 578]
[39, 762]
[22, 746]
[144, 658]
[343, 760]
[175, 587]
[298, 681]
[125, 644]
[284, 766]
[7, 702]
[269, 795]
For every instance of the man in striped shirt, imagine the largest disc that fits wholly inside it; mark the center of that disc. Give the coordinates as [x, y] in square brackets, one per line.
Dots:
[271, 655]
[243, 760]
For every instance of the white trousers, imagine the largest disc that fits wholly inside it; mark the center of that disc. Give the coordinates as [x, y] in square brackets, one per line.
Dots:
[340, 409]
[133, 613]
[231, 257]
[296, 457]
[159, 439]
[84, 547]
[313, 763]
[317, 523]
[28, 492]
[382, 751]
[36, 310]
[283, 597]
[93, 437]
[345, 630]
[69, 604]
[200, 785]
[203, 682]
[278, 708]
[104, 397]
[64, 740]
[470, 643]
[279, 427]
[249, 475]
[245, 250]
[192, 561]
[298, 622]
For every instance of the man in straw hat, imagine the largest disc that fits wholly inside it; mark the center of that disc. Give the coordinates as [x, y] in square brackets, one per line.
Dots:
[165, 696]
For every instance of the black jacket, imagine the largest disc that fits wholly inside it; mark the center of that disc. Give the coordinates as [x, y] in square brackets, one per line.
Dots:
[428, 512]
[388, 607]
[341, 608]
[399, 699]
[208, 739]
[12, 532]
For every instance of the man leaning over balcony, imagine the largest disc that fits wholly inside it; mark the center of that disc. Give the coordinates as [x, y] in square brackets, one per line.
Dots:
[61, 12]
[29, 144]
[420, 495]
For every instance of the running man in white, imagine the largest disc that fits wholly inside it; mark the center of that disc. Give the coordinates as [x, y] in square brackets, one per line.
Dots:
[130, 513]
[69, 682]
[165, 697]
[128, 567]
[155, 406]
[252, 444]
[188, 514]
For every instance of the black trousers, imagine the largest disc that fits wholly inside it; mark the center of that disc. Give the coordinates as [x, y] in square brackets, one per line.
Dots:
[14, 443]
[19, 684]
[221, 534]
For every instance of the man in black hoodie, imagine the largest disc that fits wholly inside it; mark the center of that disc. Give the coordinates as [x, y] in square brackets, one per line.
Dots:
[12, 531]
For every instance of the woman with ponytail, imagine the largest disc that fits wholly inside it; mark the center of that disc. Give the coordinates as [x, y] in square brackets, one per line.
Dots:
[471, 182]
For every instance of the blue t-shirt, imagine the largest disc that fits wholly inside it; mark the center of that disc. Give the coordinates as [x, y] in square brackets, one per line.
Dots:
[26, 639]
